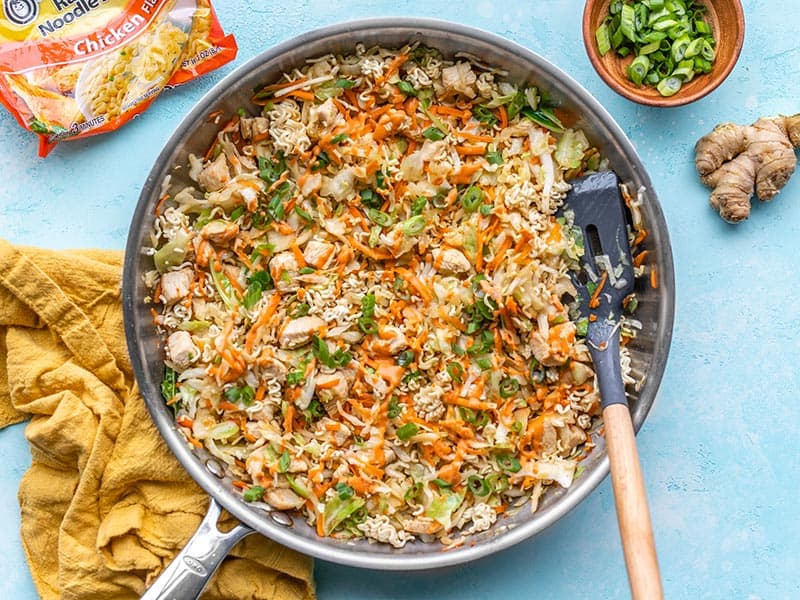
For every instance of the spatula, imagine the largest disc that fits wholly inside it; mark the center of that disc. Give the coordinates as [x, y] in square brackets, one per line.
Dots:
[605, 280]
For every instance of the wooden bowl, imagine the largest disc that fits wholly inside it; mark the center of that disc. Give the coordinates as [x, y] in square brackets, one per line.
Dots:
[726, 20]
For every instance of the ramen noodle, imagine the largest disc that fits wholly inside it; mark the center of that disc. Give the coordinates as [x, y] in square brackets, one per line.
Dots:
[74, 68]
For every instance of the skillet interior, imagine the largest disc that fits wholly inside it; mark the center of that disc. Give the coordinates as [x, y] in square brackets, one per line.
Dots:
[194, 134]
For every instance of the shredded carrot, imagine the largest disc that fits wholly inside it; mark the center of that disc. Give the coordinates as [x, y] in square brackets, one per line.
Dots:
[473, 150]
[503, 116]
[653, 277]
[393, 68]
[263, 318]
[160, 204]
[640, 258]
[416, 283]
[640, 237]
[594, 301]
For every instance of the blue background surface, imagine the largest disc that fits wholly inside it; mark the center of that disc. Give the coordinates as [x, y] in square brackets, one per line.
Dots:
[719, 450]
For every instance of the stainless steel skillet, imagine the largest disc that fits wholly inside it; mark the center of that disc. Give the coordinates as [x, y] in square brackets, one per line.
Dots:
[194, 133]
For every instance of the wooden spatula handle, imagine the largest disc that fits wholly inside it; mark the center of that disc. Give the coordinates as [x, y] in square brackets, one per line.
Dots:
[631, 501]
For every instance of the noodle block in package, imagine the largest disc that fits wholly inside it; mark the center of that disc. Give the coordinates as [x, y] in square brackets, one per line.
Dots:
[74, 68]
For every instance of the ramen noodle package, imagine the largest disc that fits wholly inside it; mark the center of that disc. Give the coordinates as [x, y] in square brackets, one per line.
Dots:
[74, 68]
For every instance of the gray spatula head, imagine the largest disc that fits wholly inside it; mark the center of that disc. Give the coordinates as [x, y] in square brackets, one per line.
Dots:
[599, 211]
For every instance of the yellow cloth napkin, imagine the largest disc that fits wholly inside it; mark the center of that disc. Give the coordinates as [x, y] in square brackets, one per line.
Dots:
[105, 505]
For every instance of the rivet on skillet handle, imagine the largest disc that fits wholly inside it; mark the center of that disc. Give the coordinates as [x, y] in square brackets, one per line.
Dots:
[188, 574]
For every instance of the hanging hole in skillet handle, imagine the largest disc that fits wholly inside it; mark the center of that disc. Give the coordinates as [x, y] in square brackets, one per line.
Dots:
[188, 574]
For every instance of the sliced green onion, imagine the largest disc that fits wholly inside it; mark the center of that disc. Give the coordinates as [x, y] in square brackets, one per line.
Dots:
[508, 387]
[508, 462]
[413, 226]
[368, 303]
[669, 86]
[456, 371]
[405, 358]
[370, 199]
[368, 325]
[442, 483]
[374, 235]
[637, 70]
[379, 217]
[478, 486]
[582, 327]
[338, 139]
[628, 22]
[394, 408]
[472, 198]
[603, 39]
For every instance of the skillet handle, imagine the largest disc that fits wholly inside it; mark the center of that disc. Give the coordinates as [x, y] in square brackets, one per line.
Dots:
[188, 574]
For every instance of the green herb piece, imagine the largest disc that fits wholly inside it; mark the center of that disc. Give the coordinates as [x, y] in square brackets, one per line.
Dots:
[484, 364]
[270, 169]
[301, 309]
[407, 431]
[169, 385]
[370, 199]
[494, 158]
[236, 213]
[582, 327]
[338, 139]
[284, 461]
[485, 115]
[433, 133]
[406, 88]
[253, 494]
[323, 160]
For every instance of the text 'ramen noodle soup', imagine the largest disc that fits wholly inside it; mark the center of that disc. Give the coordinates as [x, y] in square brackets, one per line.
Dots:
[74, 68]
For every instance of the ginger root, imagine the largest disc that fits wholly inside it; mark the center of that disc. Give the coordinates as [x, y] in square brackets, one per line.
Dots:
[735, 160]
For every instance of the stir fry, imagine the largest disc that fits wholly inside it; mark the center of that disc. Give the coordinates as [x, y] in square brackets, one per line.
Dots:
[365, 297]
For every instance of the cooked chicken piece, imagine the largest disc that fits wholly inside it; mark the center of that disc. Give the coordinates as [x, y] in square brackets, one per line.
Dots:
[297, 465]
[298, 332]
[570, 436]
[421, 525]
[254, 127]
[181, 350]
[459, 78]
[283, 499]
[450, 261]
[318, 254]
[390, 341]
[323, 118]
[549, 438]
[215, 174]
[330, 388]
[175, 285]
[274, 369]
[283, 267]
[555, 350]
[220, 232]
